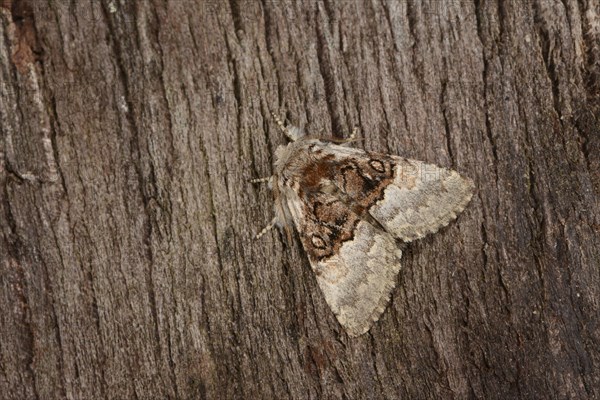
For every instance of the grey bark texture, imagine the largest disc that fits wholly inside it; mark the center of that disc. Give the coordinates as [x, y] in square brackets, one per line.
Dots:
[130, 129]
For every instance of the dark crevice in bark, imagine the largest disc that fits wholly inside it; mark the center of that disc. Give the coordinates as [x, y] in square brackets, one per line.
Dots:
[26, 49]
[386, 12]
[89, 274]
[18, 255]
[586, 124]
[591, 45]
[331, 14]
[289, 288]
[447, 134]
[54, 129]
[281, 105]
[388, 126]
[416, 62]
[479, 16]
[549, 45]
[503, 16]
[374, 360]
[484, 246]
[397, 72]
[236, 16]
[271, 40]
[326, 71]
[269, 28]
[506, 291]
[587, 112]
[238, 94]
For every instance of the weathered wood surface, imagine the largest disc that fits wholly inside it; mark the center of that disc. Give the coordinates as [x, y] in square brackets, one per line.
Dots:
[129, 130]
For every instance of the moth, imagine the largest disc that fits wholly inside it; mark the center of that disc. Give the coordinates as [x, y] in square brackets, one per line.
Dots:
[350, 207]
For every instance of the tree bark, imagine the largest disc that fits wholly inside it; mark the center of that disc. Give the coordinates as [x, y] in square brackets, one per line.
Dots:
[130, 129]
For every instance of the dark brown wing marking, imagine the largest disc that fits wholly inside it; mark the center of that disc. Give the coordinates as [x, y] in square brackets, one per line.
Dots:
[327, 224]
[335, 195]
[364, 179]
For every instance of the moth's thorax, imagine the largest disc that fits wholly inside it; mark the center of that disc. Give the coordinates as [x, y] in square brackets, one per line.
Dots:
[299, 158]
[300, 168]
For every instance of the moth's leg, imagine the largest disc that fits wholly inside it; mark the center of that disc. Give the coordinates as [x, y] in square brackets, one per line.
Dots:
[351, 138]
[292, 132]
[266, 228]
[261, 180]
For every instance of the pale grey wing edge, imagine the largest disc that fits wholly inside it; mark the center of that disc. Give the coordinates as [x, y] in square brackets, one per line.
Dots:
[422, 199]
[357, 281]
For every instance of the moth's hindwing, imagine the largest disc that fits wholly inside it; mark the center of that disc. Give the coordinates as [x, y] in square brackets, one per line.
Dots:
[355, 262]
